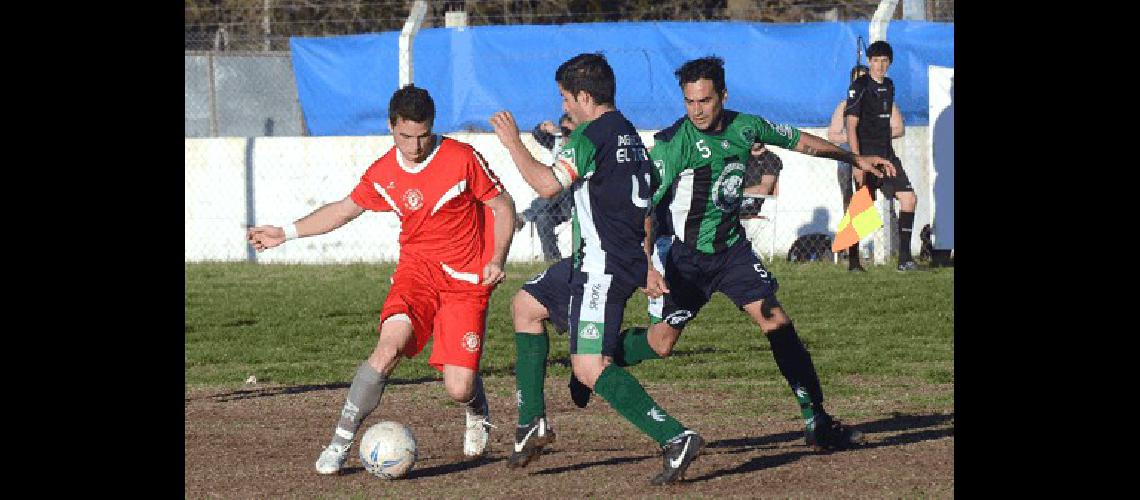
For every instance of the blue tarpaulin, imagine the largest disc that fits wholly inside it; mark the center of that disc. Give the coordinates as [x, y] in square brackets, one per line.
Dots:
[787, 73]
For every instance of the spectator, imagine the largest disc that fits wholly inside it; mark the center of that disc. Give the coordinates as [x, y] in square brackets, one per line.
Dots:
[837, 133]
[547, 214]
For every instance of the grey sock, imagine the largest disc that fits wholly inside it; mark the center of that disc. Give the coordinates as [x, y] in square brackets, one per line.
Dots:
[363, 397]
[478, 403]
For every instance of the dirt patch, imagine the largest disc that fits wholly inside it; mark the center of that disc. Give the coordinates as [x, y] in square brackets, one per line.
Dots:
[261, 442]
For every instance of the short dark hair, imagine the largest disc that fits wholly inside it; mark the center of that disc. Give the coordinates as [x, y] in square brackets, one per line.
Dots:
[880, 48]
[858, 70]
[411, 103]
[711, 68]
[588, 72]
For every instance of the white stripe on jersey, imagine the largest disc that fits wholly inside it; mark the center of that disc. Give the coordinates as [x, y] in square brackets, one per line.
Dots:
[391, 202]
[682, 199]
[487, 171]
[451, 193]
[593, 257]
[594, 293]
[468, 277]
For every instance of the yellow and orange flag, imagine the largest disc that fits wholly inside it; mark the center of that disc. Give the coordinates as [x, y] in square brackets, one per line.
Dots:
[859, 222]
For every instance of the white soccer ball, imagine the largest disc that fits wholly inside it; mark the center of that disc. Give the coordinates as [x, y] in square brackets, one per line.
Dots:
[388, 450]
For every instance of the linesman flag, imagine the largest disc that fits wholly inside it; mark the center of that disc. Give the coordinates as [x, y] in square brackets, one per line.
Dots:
[859, 222]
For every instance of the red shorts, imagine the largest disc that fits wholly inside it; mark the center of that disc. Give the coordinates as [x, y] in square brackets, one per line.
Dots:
[452, 312]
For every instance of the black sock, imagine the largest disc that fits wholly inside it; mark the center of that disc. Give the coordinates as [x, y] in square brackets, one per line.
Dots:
[795, 364]
[853, 256]
[906, 225]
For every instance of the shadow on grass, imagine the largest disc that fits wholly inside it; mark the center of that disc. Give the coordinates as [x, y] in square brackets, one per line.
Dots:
[299, 389]
[587, 465]
[914, 429]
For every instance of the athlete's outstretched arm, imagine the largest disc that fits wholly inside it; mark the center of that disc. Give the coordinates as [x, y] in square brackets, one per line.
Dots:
[320, 221]
[539, 176]
[504, 208]
[816, 146]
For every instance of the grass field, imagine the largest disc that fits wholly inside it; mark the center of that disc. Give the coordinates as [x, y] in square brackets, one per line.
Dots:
[882, 343]
[309, 324]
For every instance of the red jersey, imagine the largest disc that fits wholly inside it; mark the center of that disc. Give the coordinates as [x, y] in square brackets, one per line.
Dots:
[439, 203]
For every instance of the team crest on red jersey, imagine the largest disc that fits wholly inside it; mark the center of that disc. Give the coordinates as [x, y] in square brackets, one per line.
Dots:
[471, 342]
[413, 199]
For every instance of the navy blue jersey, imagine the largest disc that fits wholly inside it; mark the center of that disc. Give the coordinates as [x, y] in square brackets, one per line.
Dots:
[611, 189]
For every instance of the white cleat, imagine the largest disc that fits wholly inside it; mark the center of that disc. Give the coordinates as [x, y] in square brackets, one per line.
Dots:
[332, 458]
[476, 436]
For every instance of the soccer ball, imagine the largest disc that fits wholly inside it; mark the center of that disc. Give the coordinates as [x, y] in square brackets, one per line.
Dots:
[388, 450]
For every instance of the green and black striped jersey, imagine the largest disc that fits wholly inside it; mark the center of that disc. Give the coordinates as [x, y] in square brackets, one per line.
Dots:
[700, 177]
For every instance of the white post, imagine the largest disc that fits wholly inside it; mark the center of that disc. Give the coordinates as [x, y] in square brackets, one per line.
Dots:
[881, 241]
[265, 25]
[407, 35]
[455, 19]
[877, 30]
[914, 10]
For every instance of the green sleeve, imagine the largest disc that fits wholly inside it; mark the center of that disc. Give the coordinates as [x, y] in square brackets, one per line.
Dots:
[667, 164]
[779, 135]
[577, 156]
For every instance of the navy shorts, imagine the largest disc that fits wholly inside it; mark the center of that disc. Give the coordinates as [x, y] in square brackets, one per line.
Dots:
[693, 277]
[552, 288]
[589, 305]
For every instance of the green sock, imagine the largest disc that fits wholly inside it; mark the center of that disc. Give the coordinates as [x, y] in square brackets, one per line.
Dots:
[626, 395]
[530, 372]
[635, 347]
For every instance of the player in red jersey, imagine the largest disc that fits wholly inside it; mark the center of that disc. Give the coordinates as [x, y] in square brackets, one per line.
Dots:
[456, 225]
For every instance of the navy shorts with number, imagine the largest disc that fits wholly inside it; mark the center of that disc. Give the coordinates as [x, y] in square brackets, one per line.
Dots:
[693, 277]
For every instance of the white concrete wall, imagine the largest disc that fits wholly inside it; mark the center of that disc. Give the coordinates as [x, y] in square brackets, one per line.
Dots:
[295, 175]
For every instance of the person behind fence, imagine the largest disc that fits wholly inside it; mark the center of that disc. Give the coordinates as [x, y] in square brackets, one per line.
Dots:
[547, 214]
[760, 178]
[837, 133]
[607, 170]
[872, 120]
[455, 231]
[700, 246]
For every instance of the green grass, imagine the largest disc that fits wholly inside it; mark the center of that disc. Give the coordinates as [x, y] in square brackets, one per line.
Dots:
[873, 334]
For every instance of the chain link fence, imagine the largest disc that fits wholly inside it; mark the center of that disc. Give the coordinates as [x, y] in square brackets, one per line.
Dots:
[233, 182]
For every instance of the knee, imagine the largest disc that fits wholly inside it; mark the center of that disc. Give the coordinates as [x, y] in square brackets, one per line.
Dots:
[769, 326]
[588, 372]
[460, 391]
[526, 309]
[908, 200]
[771, 319]
[662, 339]
[383, 358]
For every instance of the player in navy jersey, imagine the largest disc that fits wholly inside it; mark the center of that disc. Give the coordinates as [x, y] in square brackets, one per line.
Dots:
[607, 169]
[873, 119]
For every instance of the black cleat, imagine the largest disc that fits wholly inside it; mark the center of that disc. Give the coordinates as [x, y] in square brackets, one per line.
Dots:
[678, 455]
[529, 441]
[825, 434]
[579, 392]
[856, 269]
